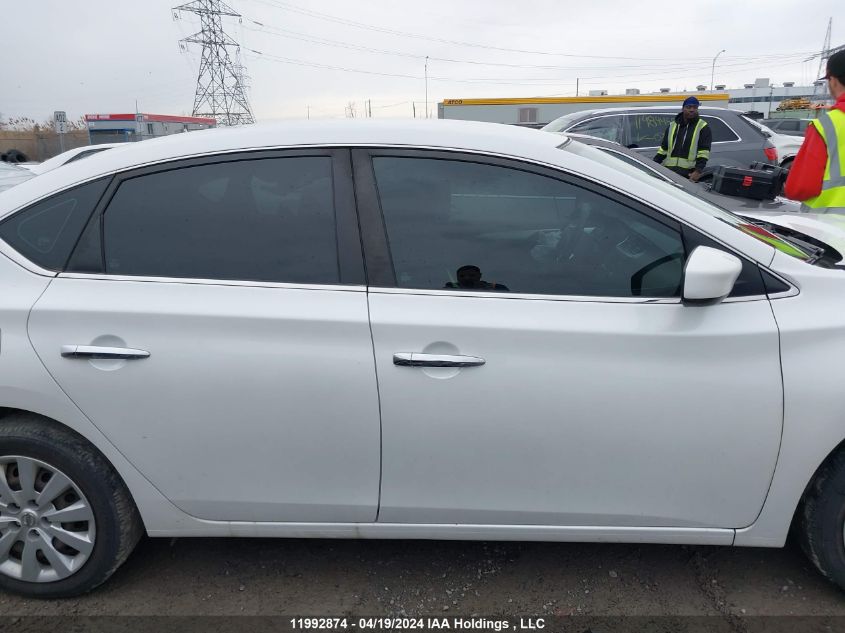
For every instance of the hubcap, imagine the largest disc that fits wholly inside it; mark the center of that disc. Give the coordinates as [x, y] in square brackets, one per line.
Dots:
[47, 529]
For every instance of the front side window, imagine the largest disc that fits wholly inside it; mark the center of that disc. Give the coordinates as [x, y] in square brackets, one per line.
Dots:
[562, 124]
[46, 232]
[253, 220]
[455, 225]
[607, 127]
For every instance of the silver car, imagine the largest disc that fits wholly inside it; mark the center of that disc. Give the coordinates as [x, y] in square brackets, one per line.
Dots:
[788, 126]
[736, 140]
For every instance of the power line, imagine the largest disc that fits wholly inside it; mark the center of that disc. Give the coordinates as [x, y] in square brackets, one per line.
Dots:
[539, 82]
[304, 37]
[284, 6]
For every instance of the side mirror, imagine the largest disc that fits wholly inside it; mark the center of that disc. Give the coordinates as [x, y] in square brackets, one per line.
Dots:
[709, 276]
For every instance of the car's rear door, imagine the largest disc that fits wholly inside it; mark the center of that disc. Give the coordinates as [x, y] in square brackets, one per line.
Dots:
[213, 324]
[536, 365]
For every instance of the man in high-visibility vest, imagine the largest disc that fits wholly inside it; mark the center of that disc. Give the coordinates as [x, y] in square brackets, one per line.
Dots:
[817, 177]
[685, 148]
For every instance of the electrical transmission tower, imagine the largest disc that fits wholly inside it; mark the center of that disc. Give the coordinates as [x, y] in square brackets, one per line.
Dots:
[820, 89]
[220, 87]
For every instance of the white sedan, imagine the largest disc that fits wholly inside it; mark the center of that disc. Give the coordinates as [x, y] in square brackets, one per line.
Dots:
[786, 145]
[70, 156]
[439, 330]
[12, 174]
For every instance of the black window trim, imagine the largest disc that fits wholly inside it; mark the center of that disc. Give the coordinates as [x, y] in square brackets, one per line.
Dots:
[379, 263]
[349, 249]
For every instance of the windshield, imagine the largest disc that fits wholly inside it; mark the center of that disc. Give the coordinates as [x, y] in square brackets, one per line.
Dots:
[646, 173]
[561, 123]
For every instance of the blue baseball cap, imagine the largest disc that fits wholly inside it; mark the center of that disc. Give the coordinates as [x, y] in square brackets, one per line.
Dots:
[691, 101]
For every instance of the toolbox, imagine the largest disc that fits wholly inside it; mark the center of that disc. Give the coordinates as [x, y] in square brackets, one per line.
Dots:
[760, 182]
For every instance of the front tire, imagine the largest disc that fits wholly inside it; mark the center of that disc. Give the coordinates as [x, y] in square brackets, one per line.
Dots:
[822, 530]
[67, 521]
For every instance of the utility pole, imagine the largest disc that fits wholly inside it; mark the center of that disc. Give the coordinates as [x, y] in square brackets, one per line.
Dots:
[713, 70]
[577, 85]
[414, 108]
[426, 86]
[308, 112]
[220, 90]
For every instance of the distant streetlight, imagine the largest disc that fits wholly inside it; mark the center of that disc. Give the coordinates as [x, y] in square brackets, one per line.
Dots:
[713, 70]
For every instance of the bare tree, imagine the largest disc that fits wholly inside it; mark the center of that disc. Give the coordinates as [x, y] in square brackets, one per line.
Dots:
[351, 110]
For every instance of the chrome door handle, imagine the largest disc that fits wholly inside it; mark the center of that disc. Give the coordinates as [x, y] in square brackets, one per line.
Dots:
[408, 359]
[92, 352]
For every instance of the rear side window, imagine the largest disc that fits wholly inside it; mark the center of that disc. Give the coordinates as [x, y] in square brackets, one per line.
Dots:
[268, 219]
[647, 129]
[46, 232]
[720, 130]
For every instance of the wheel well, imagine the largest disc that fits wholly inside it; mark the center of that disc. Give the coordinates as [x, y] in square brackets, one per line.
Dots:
[5, 412]
[798, 508]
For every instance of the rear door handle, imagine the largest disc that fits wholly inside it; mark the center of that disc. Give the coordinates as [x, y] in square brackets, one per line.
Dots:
[414, 359]
[92, 352]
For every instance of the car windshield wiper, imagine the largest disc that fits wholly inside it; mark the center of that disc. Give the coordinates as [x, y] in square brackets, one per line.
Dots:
[815, 252]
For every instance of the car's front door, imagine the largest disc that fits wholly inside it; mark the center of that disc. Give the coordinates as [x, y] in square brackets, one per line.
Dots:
[234, 287]
[535, 362]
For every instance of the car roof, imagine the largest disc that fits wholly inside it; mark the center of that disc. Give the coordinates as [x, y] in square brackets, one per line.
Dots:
[490, 138]
[661, 109]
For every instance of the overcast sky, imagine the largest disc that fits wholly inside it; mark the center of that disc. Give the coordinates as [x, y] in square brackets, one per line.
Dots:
[100, 56]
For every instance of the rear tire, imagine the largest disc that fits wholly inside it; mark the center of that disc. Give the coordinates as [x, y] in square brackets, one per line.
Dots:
[822, 516]
[105, 514]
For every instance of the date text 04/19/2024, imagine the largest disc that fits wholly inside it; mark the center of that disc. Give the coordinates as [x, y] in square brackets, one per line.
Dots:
[417, 624]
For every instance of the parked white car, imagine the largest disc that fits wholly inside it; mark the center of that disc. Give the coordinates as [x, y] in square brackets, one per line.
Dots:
[71, 155]
[11, 175]
[430, 329]
[786, 145]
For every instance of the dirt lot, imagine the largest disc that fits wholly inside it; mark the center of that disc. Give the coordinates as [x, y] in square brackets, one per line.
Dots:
[217, 577]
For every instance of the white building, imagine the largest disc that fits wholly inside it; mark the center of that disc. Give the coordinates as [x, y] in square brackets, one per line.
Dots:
[764, 96]
[761, 96]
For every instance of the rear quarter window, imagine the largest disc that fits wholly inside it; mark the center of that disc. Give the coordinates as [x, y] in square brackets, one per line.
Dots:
[46, 232]
[720, 130]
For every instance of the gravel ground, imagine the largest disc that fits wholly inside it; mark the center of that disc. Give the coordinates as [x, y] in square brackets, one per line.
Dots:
[329, 577]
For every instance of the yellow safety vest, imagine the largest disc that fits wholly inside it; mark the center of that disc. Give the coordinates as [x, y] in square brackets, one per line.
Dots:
[831, 127]
[694, 153]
